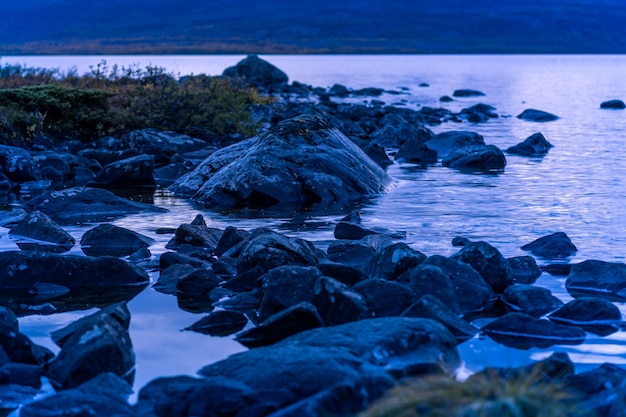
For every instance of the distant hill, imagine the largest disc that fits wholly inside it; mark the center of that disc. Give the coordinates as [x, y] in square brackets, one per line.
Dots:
[311, 26]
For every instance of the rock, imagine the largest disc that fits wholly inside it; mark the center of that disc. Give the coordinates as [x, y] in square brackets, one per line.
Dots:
[14, 396]
[338, 90]
[592, 314]
[220, 323]
[8, 321]
[523, 269]
[337, 303]
[531, 300]
[488, 262]
[302, 161]
[471, 290]
[18, 348]
[416, 152]
[172, 258]
[350, 228]
[229, 238]
[478, 113]
[81, 204]
[104, 396]
[162, 145]
[292, 320]
[613, 104]
[534, 145]
[430, 307]
[286, 286]
[430, 279]
[18, 165]
[602, 388]
[393, 261]
[446, 99]
[342, 273]
[554, 246]
[197, 284]
[196, 234]
[103, 338]
[522, 331]
[101, 157]
[385, 298]
[558, 367]
[256, 71]
[134, 172]
[339, 369]
[354, 253]
[110, 240]
[38, 232]
[10, 218]
[467, 93]
[170, 277]
[270, 250]
[476, 158]
[395, 135]
[377, 153]
[598, 278]
[21, 374]
[533, 115]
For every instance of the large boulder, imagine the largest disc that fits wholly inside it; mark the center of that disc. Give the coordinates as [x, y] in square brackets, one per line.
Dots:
[82, 204]
[302, 161]
[256, 71]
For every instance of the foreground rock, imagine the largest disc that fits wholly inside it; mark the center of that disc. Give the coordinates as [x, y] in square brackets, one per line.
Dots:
[82, 204]
[302, 161]
[340, 369]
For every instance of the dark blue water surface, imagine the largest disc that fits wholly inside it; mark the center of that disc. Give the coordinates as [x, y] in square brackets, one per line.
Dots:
[578, 188]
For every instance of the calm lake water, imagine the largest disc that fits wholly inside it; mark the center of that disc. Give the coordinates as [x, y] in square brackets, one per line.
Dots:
[578, 188]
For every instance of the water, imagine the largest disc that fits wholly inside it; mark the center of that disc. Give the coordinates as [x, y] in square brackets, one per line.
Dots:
[577, 188]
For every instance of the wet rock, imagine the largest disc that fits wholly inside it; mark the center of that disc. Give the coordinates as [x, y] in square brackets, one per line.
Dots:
[471, 290]
[592, 314]
[377, 153]
[350, 228]
[21, 374]
[104, 156]
[14, 396]
[8, 321]
[38, 232]
[292, 320]
[337, 303]
[602, 389]
[81, 204]
[220, 323]
[338, 90]
[476, 158]
[613, 104]
[172, 258]
[533, 115]
[598, 278]
[558, 367]
[197, 233]
[478, 113]
[466, 92]
[531, 300]
[18, 165]
[430, 307]
[162, 145]
[393, 261]
[534, 145]
[170, 277]
[523, 269]
[342, 273]
[522, 331]
[103, 396]
[256, 71]
[302, 161]
[428, 279]
[10, 218]
[134, 172]
[558, 270]
[554, 246]
[198, 283]
[446, 99]
[104, 338]
[354, 253]
[269, 250]
[339, 369]
[416, 152]
[18, 348]
[229, 238]
[395, 135]
[110, 240]
[284, 287]
[385, 298]
[488, 262]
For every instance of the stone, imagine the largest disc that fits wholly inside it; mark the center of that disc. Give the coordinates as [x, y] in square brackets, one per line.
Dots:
[598, 278]
[18, 165]
[466, 92]
[385, 298]
[430, 307]
[593, 314]
[615, 104]
[471, 290]
[81, 204]
[350, 228]
[523, 269]
[337, 303]
[555, 246]
[478, 113]
[533, 115]
[219, 323]
[8, 321]
[229, 238]
[338, 90]
[21, 374]
[256, 71]
[522, 331]
[534, 145]
[531, 300]
[197, 233]
[395, 135]
[171, 276]
[354, 253]
[393, 261]
[38, 232]
[109, 240]
[162, 145]
[427, 279]
[476, 158]
[416, 152]
[488, 262]
[302, 161]
[197, 284]
[292, 320]
[134, 172]
[343, 273]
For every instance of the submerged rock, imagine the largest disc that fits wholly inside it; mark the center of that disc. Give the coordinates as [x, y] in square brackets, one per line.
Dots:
[533, 115]
[613, 104]
[593, 314]
[476, 158]
[556, 245]
[599, 278]
[535, 145]
[466, 92]
[302, 161]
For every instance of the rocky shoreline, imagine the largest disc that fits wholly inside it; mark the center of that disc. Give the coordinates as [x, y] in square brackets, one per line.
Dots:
[332, 330]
